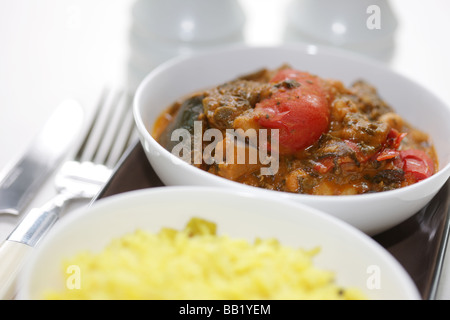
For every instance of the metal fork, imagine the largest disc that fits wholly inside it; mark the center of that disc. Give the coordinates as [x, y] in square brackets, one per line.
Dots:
[109, 135]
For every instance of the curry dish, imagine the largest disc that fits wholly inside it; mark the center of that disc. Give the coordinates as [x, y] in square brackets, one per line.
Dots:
[332, 139]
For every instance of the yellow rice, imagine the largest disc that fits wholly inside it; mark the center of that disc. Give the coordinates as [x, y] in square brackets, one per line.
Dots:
[195, 263]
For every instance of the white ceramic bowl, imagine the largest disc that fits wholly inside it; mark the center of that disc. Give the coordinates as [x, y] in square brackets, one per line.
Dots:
[371, 213]
[350, 254]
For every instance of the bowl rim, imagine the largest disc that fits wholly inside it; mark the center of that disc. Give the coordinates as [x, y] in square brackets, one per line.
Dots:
[145, 195]
[304, 48]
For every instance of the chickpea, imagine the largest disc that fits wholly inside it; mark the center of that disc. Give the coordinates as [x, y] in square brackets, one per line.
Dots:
[324, 188]
[393, 120]
[293, 180]
[349, 190]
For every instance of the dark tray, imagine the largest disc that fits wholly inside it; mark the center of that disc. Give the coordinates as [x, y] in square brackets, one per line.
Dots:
[418, 243]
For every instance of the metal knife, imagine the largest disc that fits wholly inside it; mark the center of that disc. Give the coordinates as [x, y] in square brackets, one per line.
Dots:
[23, 180]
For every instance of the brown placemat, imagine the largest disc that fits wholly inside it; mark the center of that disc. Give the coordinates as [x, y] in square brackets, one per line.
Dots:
[418, 243]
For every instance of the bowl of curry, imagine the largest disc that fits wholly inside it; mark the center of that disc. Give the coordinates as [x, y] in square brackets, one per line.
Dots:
[310, 124]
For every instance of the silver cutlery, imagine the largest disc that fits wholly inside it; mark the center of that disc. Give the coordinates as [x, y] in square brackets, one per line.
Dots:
[22, 181]
[110, 134]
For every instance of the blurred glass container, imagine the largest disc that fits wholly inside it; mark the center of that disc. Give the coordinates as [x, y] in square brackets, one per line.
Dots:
[162, 29]
[364, 26]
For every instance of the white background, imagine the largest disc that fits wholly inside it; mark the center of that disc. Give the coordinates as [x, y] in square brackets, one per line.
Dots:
[56, 49]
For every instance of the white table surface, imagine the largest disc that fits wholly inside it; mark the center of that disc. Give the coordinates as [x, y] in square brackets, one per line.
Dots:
[57, 49]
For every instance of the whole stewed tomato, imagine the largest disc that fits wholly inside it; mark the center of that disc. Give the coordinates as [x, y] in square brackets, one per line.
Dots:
[299, 109]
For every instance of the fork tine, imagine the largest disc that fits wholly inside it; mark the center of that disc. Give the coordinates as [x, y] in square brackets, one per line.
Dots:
[121, 131]
[110, 131]
[105, 126]
[81, 154]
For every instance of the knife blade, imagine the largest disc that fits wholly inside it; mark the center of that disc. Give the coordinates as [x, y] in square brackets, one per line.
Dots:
[21, 182]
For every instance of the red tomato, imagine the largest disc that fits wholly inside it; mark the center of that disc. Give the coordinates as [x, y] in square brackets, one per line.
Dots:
[395, 138]
[300, 112]
[387, 154]
[324, 165]
[417, 164]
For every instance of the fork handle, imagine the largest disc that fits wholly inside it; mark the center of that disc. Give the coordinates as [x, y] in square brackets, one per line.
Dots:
[20, 243]
[12, 256]
[37, 222]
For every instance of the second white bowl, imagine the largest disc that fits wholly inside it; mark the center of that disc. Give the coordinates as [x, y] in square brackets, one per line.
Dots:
[356, 259]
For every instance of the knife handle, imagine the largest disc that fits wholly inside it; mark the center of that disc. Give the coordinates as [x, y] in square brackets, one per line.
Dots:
[20, 243]
[12, 256]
